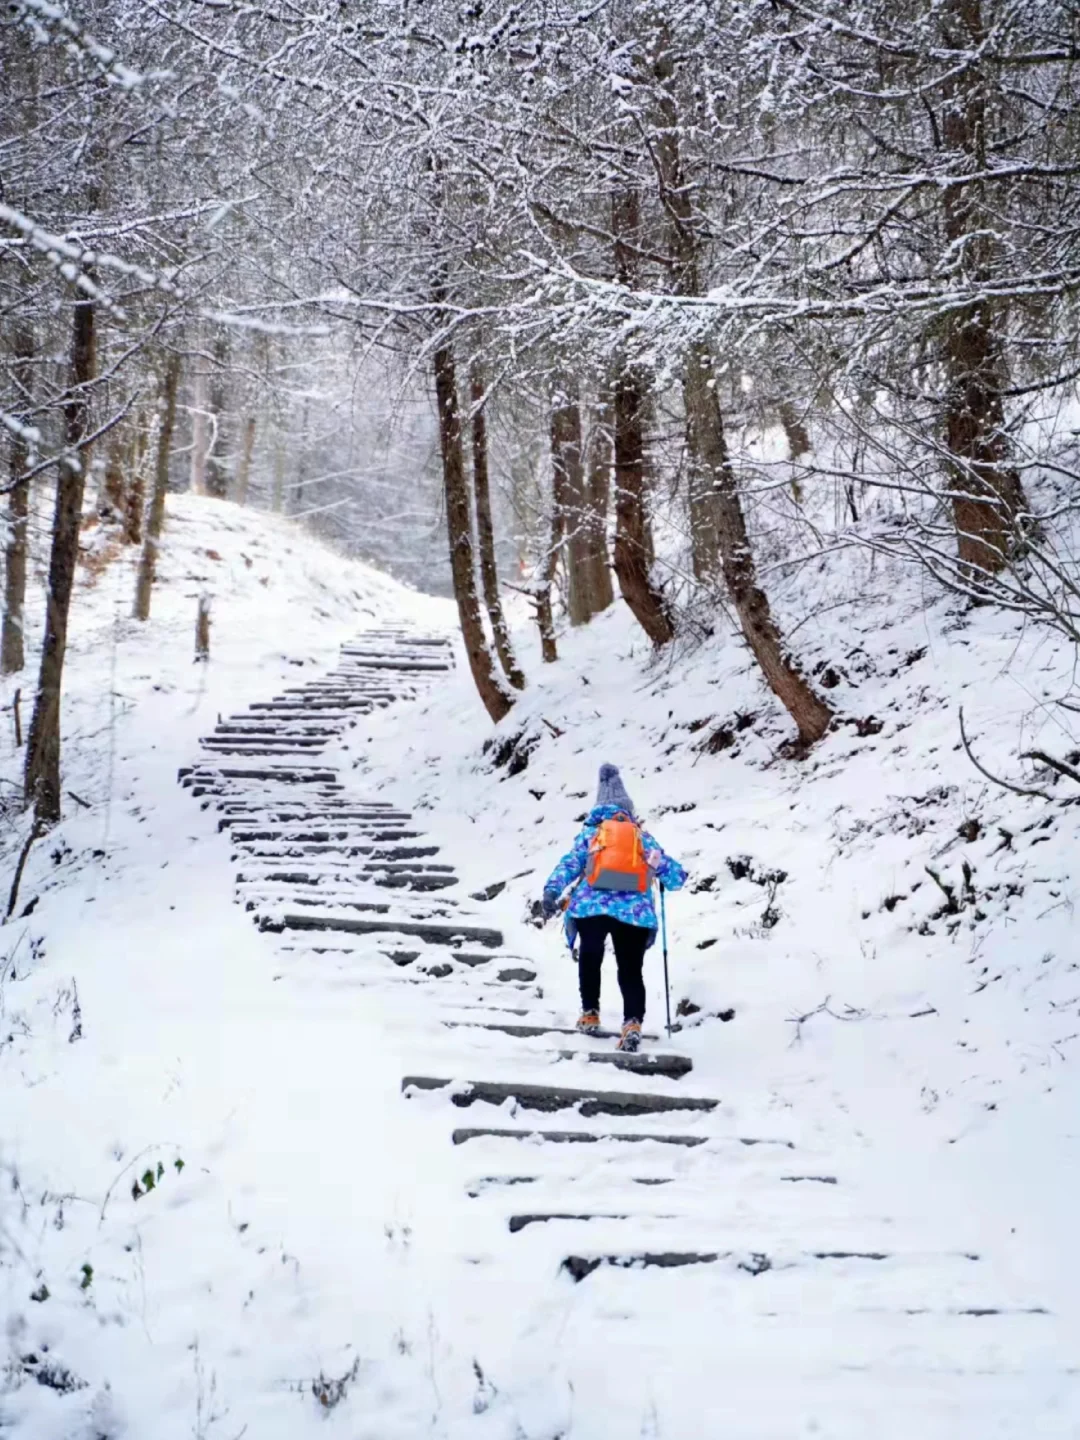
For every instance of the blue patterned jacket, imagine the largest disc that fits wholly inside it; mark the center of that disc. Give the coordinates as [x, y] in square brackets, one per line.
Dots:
[629, 906]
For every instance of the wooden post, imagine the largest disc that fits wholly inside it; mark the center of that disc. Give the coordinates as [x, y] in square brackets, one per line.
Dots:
[202, 630]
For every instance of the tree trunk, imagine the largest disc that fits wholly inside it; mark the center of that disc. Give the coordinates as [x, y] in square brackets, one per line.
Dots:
[202, 630]
[485, 532]
[561, 431]
[704, 501]
[718, 523]
[496, 698]
[988, 497]
[155, 520]
[795, 431]
[217, 470]
[633, 533]
[42, 775]
[601, 592]
[135, 494]
[110, 500]
[243, 470]
[296, 505]
[704, 417]
[278, 501]
[200, 429]
[12, 644]
[568, 457]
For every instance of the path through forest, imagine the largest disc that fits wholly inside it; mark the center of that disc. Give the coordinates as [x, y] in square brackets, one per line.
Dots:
[592, 1245]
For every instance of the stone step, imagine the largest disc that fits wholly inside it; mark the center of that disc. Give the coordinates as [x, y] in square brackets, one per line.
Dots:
[322, 709]
[293, 706]
[517, 1223]
[320, 837]
[411, 666]
[340, 890]
[478, 1187]
[262, 751]
[406, 638]
[283, 776]
[749, 1262]
[431, 933]
[329, 802]
[581, 1266]
[578, 1137]
[642, 1062]
[294, 742]
[311, 877]
[296, 852]
[528, 1032]
[270, 732]
[360, 821]
[421, 910]
[549, 1098]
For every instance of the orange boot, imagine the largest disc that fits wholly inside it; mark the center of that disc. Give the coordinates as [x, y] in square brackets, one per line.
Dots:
[630, 1039]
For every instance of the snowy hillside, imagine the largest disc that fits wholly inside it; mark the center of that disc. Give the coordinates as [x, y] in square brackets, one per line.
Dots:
[881, 1203]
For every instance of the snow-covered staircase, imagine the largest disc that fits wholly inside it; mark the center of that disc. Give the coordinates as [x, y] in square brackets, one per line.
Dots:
[575, 1161]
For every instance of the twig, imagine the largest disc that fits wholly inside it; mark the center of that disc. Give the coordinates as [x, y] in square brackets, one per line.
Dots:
[947, 890]
[1059, 765]
[35, 830]
[79, 800]
[553, 728]
[76, 1014]
[996, 779]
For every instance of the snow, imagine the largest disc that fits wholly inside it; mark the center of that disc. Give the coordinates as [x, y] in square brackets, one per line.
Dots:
[324, 1227]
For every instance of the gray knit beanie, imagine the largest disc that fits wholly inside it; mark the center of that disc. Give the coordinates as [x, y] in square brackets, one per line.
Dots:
[612, 791]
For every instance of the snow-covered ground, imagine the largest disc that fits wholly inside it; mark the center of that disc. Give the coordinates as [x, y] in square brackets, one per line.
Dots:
[911, 1059]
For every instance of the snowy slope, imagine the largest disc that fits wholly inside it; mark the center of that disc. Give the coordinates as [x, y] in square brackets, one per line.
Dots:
[925, 1059]
[910, 1072]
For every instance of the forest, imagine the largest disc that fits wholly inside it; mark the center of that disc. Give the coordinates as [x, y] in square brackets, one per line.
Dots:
[547, 274]
[438, 437]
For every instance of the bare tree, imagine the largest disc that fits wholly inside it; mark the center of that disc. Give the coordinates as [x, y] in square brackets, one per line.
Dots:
[485, 530]
[496, 697]
[633, 531]
[155, 519]
[42, 773]
[12, 640]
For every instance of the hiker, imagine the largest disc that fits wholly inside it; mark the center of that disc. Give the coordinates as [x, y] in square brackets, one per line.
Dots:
[612, 866]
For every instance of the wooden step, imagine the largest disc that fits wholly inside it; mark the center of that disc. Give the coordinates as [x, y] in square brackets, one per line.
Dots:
[574, 1137]
[549, 1098]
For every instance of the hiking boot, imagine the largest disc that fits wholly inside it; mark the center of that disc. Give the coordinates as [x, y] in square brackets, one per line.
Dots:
[630, 1039]
[589, 1023]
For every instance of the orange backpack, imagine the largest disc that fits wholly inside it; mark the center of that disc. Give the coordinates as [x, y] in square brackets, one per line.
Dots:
[617, 857]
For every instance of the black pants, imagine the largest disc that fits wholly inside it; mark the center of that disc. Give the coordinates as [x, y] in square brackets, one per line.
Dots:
[630, 942]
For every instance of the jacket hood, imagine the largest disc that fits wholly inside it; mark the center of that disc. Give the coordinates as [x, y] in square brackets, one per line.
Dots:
[604, 812]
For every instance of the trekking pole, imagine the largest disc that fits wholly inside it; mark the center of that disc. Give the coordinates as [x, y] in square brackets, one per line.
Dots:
[667, 982]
